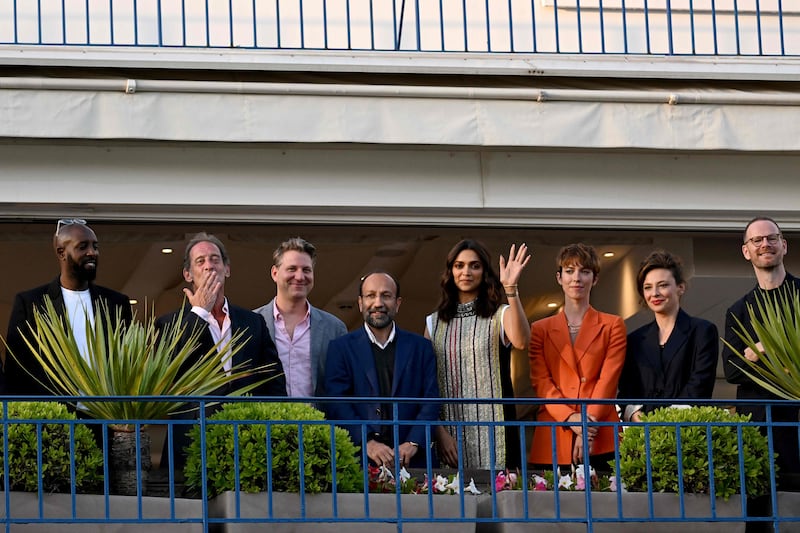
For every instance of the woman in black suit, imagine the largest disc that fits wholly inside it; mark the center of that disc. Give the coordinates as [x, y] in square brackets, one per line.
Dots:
[675, 356]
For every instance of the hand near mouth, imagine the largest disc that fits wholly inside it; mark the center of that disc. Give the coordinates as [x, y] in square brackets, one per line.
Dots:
[206, 293]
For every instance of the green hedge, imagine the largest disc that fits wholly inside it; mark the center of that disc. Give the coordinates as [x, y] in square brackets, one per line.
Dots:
[284, 441]
[23, 445]
[694, 448]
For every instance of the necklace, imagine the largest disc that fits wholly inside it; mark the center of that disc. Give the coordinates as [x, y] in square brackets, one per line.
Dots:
[466, 309]
[574, 327]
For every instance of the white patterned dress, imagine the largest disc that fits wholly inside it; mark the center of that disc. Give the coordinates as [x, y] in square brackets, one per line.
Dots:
[468, 362]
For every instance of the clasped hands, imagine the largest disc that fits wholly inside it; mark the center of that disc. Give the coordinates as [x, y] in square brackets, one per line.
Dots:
[383, 455]
[591, 433]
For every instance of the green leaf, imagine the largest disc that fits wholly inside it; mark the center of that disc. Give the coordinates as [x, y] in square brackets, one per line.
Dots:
[132, 359]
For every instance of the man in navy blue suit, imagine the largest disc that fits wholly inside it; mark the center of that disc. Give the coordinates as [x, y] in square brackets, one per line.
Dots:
[382, 361]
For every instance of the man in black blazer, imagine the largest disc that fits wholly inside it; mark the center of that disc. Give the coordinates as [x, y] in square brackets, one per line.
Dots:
[206, 266]
[73, 293]
[764, 247]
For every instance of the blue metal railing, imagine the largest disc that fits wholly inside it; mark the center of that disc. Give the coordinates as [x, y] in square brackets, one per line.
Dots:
[585, 509]
[649, 27]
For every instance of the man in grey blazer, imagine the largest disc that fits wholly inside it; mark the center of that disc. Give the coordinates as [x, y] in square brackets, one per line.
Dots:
[300, 331]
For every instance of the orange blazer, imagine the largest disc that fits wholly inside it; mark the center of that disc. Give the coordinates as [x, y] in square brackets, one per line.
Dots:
[589, 369]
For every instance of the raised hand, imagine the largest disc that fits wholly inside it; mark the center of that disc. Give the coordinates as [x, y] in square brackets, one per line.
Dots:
[517, 260]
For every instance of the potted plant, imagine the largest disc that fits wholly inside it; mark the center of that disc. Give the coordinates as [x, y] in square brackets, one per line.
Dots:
[776, 325]
[774, 320]
[133, 360]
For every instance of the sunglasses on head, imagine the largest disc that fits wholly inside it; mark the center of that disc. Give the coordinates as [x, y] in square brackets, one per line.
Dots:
[68, 222]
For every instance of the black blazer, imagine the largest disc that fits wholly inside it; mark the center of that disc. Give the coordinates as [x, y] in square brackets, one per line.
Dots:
[689, 365]
[17, 380]
[258, 348]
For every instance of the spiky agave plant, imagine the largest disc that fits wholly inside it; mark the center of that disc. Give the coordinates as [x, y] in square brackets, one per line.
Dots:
[776, 325]
[135, 359]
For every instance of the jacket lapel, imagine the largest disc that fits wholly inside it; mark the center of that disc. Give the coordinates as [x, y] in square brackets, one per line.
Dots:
[54, 292]
[402, 357]
[364, 358]
[562, 344]
[652, 354]
[677, 339]
[315, 342]
[591, 327]
[238, 324]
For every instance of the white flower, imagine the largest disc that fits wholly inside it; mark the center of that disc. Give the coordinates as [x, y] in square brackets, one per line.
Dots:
[454, 485]
[404, 475]
[441, 484]
[565, 482]
[471, 488]
[385, 474]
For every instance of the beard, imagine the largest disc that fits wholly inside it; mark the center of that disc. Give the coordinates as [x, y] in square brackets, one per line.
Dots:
[82, 271]
[378, 322]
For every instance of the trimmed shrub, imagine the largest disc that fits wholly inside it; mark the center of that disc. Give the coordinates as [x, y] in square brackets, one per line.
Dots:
[694, 447]
[23, 446]
[253, 460]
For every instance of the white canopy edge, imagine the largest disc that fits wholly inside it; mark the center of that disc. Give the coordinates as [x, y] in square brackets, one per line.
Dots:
[168, 110]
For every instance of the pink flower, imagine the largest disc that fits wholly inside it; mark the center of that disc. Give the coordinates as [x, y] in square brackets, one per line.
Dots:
[512, 480]
[613, 484]
[500, 482]
[540, 483]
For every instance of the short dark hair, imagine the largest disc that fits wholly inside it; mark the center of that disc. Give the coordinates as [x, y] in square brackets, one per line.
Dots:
[295, 244]
[758, 219]
[368, 274]
[579, 253]
[204, 237]
[659, 259]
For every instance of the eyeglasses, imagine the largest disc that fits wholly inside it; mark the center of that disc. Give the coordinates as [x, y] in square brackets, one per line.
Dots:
[68, 222]
[757, 240]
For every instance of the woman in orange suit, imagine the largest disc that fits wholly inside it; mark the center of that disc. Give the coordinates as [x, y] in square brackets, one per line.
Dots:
[577, 353]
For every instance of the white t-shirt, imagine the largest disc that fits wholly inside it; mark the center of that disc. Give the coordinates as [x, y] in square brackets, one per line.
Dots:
[79, 308]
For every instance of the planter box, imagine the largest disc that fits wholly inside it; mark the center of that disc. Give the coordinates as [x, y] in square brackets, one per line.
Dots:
[572, 505]
[25, 505]
[382, 508]
[789, 507]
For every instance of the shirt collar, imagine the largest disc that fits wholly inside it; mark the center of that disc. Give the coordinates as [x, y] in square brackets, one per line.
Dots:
[276, 313]
[374, 341]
